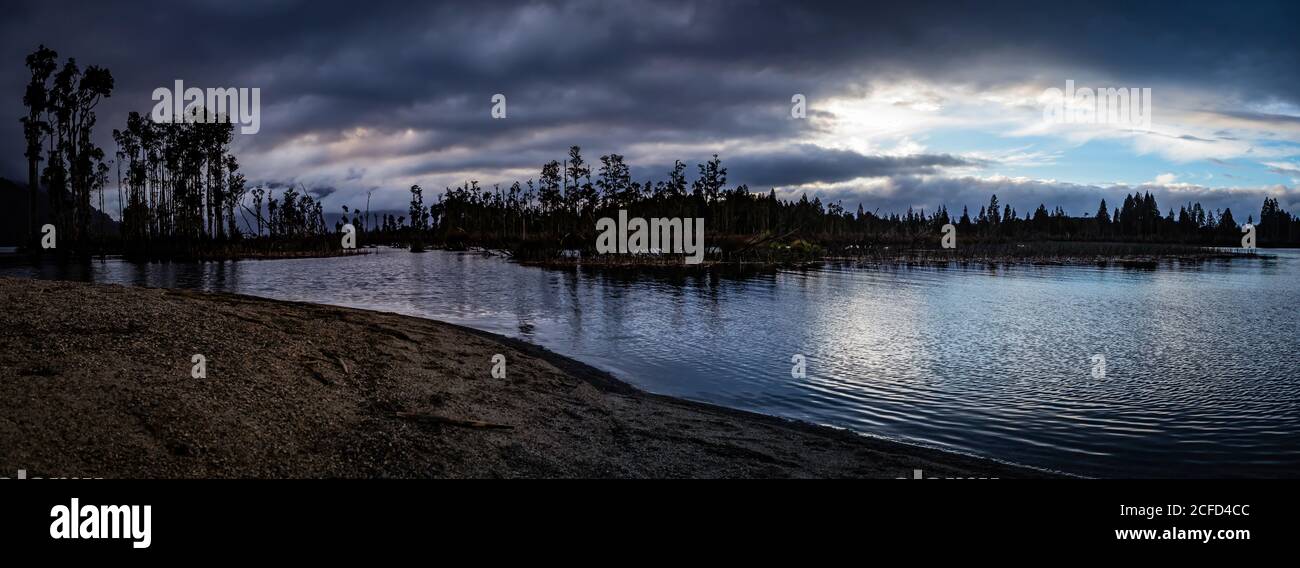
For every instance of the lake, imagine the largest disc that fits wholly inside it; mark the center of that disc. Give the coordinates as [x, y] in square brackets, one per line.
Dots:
[1201, 363]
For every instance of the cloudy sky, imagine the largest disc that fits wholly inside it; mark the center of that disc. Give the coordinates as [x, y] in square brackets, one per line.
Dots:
[907, 106]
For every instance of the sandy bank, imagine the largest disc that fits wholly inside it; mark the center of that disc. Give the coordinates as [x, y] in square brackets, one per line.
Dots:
[95, 381]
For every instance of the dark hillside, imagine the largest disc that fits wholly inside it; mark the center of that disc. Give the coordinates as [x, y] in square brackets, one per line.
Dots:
[13, 213]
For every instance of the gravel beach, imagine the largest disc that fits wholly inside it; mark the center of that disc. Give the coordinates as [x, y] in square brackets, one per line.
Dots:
[96, 381]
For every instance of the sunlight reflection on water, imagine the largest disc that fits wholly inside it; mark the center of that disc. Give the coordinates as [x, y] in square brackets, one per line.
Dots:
[1201, 361]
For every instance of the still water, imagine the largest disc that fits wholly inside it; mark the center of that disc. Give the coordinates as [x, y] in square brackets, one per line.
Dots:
[1202, 364]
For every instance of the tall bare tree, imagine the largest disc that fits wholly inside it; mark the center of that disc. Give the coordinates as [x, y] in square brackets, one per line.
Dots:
[41, 64]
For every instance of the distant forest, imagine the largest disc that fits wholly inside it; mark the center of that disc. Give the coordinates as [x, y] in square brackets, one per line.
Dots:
[180, 192]
[562, 206]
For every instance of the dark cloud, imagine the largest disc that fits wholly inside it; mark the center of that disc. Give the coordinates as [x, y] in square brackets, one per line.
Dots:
[608, 74]
[805, 164]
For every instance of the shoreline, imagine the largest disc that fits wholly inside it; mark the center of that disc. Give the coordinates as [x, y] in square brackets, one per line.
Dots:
[904, 257]
[921, 258]
[99, 385]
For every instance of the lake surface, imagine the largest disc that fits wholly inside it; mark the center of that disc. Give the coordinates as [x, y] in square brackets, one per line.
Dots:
[1202, 364]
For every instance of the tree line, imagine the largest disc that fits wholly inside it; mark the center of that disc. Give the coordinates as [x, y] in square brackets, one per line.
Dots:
[179, 187]
[58, 129]
[560, 207]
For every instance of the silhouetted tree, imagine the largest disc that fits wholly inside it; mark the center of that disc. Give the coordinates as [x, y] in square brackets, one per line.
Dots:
[36, 126]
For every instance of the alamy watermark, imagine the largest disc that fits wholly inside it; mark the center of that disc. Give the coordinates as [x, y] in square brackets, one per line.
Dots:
[1106, 105]
[242, 106]
[919, 474]
[49, 236]
[1098, 366]
[498, 106]
[77, 521]
[22, 474]
[349, 237]
[200, 368]
[639, 236]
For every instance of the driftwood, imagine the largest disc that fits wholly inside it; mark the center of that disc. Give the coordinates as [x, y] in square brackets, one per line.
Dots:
[435, 419]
